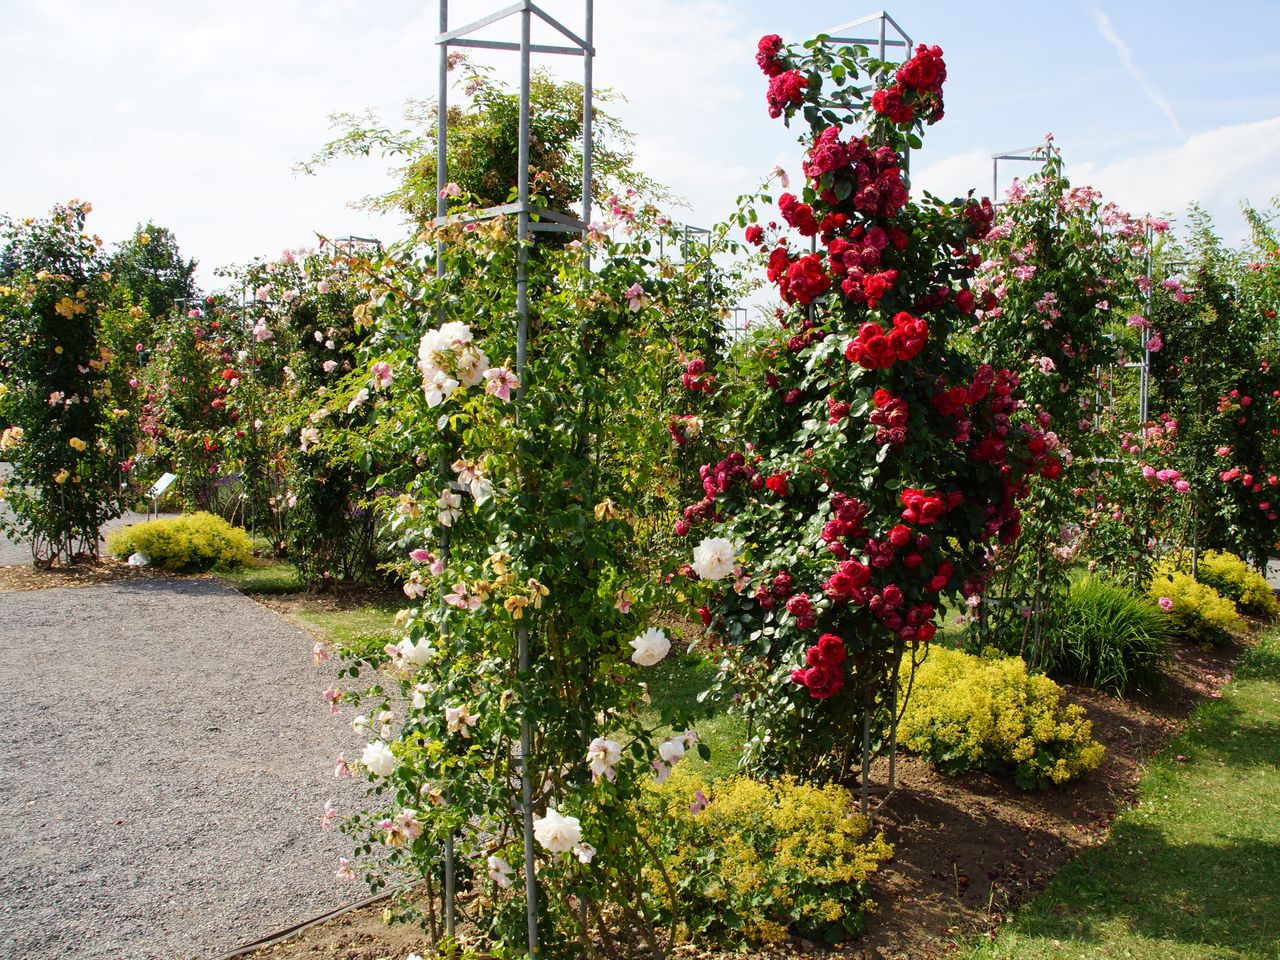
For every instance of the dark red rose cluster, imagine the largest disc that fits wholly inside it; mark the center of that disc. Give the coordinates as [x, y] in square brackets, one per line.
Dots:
[822, 676]
[917, 90]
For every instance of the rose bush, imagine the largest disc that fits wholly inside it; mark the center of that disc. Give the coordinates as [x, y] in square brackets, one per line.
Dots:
[879, 464]
[61, 422]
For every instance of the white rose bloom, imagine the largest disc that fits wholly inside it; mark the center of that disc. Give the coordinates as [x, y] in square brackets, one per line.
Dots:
[472, 363]
[431, 350]
[459, 720]
[671, 750]
[713, 558]
[602, 756]
[650, 647]
[378, 759]
[416, 653]
[584, 851]
[500, 872]
[436, 387]
[450, 507]
[361, 722]
[557, 833]
[455, 333]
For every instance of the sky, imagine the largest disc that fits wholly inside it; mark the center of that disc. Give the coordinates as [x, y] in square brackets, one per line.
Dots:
[194, 116]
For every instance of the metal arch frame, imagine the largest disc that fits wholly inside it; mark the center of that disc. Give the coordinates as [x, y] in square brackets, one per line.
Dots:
[1021, 154]
[882, 43]
[530, 220]
[846, 34]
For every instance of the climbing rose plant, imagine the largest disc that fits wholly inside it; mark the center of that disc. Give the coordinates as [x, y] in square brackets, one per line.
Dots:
[60, 419]
[513, 494]
[879, 465]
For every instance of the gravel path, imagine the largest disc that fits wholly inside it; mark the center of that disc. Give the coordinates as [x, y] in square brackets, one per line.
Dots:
[164, 755]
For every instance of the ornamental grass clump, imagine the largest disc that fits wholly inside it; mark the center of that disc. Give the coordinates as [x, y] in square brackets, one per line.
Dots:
[187, 544]
[750, 863]
[1108, 637]
[969, 713]
[1199, 612]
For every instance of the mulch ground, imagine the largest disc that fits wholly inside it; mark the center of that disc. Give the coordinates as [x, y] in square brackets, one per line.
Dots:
[968, 849]
[83, 573]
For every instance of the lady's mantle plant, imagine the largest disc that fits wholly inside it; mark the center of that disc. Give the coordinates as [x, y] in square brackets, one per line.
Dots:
[882, 464]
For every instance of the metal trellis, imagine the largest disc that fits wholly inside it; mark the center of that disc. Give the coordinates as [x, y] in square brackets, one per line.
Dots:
[530, 221]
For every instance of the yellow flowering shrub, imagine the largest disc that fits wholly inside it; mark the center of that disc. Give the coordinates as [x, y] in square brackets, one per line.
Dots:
[193, 542]
[1231, 577]
[744, 862]
[968, 712]
[1199, 612]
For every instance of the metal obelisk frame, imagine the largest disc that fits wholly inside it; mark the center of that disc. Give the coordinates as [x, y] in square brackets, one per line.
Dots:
[527, 227]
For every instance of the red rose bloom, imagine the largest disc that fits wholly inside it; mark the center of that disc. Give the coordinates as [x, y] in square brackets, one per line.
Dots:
[777, 484]
[785, 89]
[806, 280]
[755, 234]
[767, 55]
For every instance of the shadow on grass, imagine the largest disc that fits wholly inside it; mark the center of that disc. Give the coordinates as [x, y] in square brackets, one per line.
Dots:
[1223, 896]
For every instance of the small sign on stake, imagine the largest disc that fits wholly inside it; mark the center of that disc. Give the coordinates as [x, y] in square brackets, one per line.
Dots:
[158, 488]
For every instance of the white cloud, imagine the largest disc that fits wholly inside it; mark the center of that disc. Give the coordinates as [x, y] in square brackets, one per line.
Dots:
[1216, 168]
[1149, 89]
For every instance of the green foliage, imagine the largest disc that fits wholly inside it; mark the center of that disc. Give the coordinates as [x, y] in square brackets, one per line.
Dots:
[967, 712]
[187, 544]
[760, 861]
[60, 429]
[1199, 612]
[483, 140]
[1106, 636]
[1192, 871]
[1237, 581]
[150, 265]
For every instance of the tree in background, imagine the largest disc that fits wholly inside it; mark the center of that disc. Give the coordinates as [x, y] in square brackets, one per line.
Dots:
[483, 147]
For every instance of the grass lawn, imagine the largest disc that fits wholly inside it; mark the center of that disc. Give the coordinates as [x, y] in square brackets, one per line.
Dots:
[264, 577]
[677, 681]
[369, 627]
[1193, 871]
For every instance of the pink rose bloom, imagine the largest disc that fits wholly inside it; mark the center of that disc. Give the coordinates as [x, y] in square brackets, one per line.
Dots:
[382, 373]
[1166, 604]
[330, 366]
[1155, 343]
[421, 555]
[1149, 472]
[501, 382]
[323, 286]
[1181, 486]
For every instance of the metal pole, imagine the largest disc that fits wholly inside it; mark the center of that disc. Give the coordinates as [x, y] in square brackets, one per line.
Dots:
[442, 136]
[588, 93]
[442, 203]
[522, 346]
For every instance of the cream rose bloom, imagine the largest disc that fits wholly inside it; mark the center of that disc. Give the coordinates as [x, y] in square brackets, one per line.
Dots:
[650, 647]
[713, 558]
[378, 759]
[556, 832]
